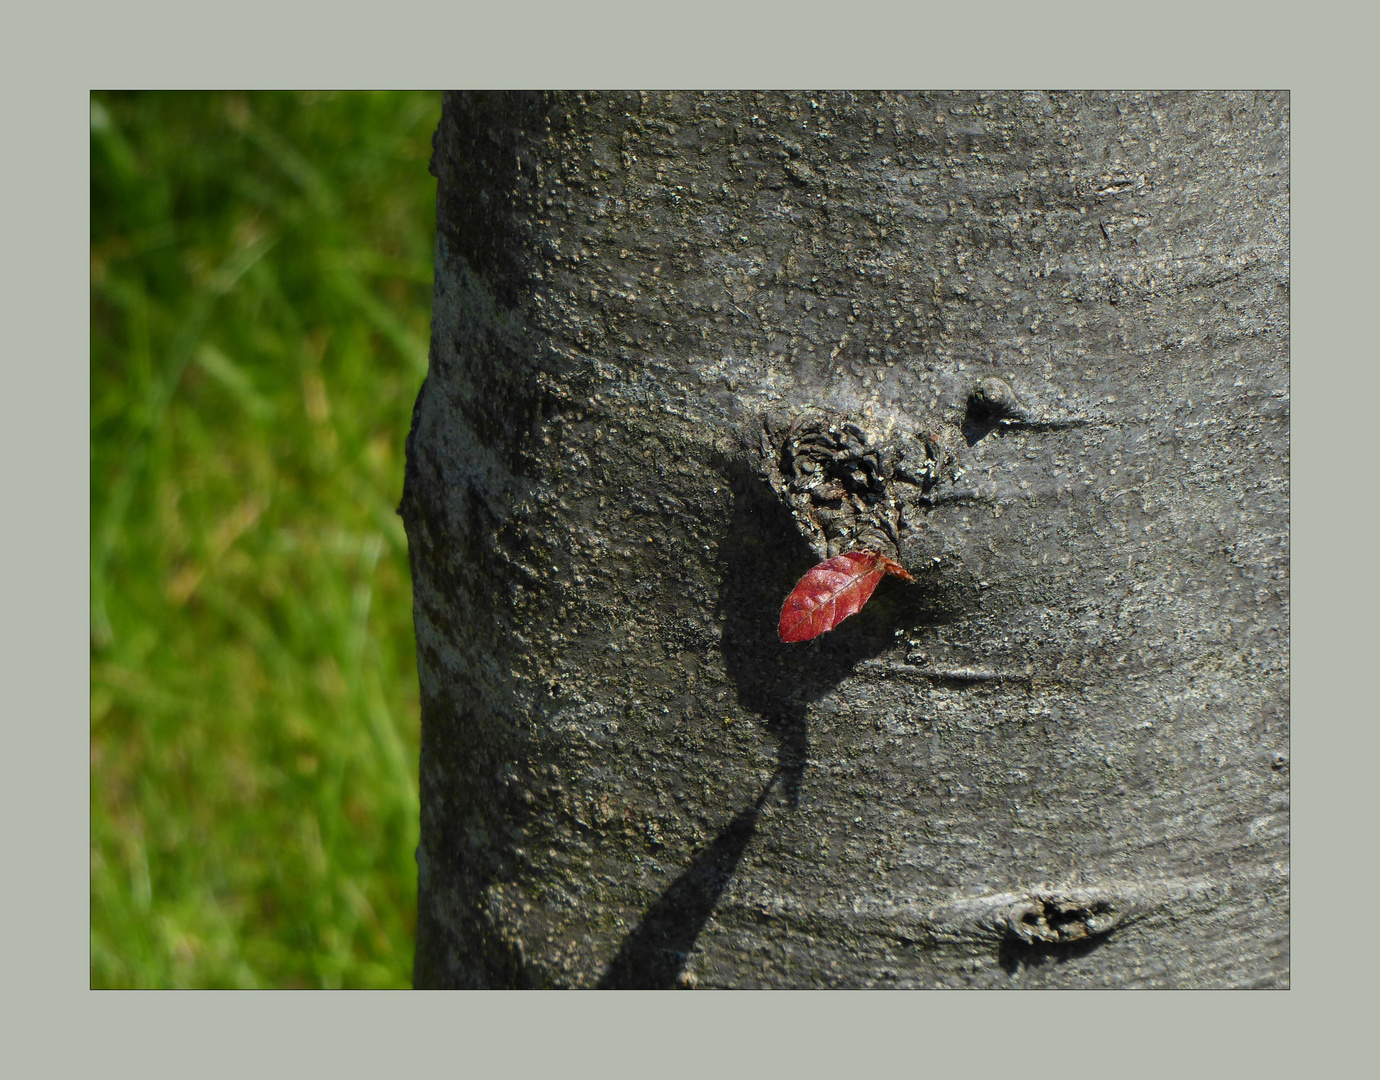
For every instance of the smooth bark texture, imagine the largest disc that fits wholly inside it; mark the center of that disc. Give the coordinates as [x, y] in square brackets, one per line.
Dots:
[685, 346]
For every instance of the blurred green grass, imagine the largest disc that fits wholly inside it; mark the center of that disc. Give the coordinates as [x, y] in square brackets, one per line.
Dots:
[261, 270]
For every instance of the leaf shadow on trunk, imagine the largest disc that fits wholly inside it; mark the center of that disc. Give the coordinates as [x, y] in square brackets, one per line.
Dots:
[762, 556]
[653, 956]
[1016, 955]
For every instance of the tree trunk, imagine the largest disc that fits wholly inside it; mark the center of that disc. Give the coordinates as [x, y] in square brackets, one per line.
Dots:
[685, 346]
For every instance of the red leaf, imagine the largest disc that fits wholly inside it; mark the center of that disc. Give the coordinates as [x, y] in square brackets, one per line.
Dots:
[832, 591]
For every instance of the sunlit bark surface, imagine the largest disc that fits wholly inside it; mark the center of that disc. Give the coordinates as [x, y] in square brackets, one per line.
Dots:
[1034, 347]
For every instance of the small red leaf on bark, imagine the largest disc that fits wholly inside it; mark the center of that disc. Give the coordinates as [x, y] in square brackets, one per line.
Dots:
[832, 591]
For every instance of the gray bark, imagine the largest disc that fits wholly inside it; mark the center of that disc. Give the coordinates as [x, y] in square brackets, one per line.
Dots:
[687, 345]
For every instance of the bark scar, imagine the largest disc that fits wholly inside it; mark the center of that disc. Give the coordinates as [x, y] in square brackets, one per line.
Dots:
[849, 487]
